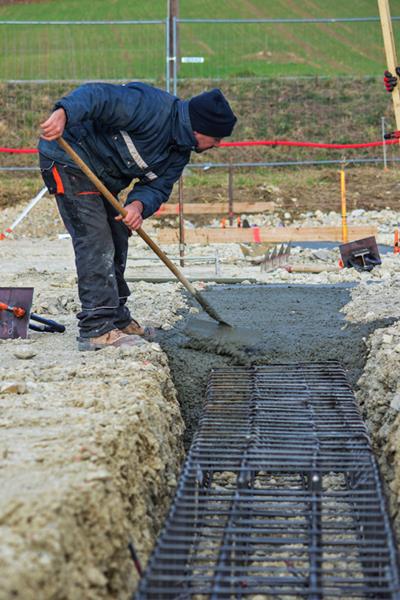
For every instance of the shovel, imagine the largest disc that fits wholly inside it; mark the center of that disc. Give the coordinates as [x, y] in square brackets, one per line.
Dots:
[223, 331]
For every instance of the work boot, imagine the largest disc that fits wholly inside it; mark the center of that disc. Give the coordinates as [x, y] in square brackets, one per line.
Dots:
[114, 339]
[133, 328]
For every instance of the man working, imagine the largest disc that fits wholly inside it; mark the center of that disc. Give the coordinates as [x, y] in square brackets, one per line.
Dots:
[123, 132]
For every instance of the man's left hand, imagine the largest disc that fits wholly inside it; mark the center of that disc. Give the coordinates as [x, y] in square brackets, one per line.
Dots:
[133, 218]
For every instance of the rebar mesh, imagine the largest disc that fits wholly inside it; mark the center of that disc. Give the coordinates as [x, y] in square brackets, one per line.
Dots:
[280, 495]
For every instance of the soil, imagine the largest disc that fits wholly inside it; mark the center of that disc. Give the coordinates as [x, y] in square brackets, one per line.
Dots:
[294, 193]
[92, 443]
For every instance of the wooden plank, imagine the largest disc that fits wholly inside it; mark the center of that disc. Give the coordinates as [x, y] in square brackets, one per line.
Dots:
[390, 51]
[264, 234]
[214, 208]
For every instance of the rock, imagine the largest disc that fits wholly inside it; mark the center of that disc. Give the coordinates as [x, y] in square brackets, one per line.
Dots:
[273, 189]
[24, 353]
[13, 388]
[96, 577]
[322, 254]
[395, 403]
[53, 310]
[99, 475]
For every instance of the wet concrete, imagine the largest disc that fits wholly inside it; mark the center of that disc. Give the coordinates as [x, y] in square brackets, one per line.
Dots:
[296, 322]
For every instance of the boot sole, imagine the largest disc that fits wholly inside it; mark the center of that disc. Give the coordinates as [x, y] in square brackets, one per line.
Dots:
[87, 346]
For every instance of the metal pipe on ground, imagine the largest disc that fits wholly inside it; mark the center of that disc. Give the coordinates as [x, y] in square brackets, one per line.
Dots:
[311, 268]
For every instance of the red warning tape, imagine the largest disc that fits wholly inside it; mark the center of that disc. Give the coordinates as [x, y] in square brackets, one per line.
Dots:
[19, 150]
[257, 143]
[307, 144]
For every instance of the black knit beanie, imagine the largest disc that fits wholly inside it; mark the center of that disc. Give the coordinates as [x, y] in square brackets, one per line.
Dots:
[210, 114]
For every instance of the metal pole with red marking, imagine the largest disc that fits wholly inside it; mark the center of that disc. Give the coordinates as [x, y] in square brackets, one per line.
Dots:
[22, 216]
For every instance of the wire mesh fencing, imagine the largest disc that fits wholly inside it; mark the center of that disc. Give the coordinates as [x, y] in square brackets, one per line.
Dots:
[301, 79]
[293, 79]
[41, 61]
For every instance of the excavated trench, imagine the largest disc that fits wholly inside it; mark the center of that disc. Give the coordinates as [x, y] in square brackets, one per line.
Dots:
[296, 322]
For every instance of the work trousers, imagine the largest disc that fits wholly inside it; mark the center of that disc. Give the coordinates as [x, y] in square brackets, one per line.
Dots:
[100, 244]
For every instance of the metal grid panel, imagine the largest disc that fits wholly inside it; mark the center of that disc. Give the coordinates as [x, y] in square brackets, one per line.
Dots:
[280, 495]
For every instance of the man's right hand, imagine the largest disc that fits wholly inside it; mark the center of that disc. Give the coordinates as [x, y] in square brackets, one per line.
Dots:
[390, 80]
[54, 127]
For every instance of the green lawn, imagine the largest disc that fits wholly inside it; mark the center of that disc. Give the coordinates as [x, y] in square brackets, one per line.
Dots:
[229, 50]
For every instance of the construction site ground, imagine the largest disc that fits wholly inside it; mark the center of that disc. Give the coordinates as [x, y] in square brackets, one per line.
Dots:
[92, 443]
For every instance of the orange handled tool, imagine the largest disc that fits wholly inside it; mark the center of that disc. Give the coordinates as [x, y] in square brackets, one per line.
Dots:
[16, 310]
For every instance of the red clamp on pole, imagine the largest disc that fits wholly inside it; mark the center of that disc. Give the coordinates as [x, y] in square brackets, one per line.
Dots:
[396, 248]
[256, 234]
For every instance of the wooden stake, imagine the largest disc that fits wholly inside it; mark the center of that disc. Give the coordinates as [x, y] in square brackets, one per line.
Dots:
[214, 208]
[390, 51]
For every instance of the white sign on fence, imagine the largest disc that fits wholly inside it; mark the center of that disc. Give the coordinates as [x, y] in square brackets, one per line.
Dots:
[192, 59]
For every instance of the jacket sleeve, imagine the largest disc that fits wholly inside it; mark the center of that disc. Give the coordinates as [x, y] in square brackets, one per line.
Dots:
[153, 193]
[110, 105]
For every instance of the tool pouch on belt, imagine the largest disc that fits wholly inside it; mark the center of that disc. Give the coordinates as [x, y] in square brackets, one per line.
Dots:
[61, 179]
[46, 170]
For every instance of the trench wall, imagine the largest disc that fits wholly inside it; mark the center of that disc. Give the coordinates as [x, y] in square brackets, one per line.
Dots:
[91, 448]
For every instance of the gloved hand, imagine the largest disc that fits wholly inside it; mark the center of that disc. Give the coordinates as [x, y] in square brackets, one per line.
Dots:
[392, 135]
[390, 80]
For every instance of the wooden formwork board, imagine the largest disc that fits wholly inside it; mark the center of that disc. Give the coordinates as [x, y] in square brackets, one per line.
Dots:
[214, 208]
[264, 234]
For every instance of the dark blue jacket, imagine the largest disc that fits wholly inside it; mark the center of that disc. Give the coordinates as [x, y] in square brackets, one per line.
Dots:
[124, 132]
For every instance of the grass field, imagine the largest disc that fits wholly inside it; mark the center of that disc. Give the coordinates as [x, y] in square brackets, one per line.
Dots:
[247, 61]
[229, 50]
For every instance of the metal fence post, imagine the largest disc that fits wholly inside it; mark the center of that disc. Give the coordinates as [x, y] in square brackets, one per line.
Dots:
[384, 149]
[230, 194]
[167, 54]
[175, 58]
